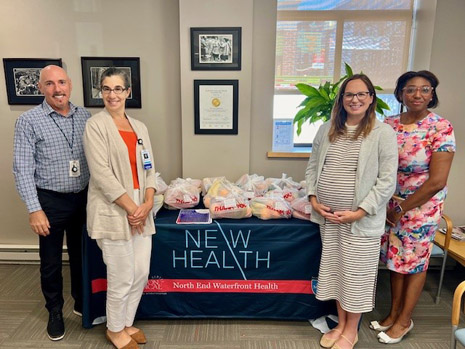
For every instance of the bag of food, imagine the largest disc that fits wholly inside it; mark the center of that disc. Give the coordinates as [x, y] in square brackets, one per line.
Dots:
[272, 207]
[302, 208]
[291, 194]
[221, 188]
[208, 182]
[195, 182]
[232, 206]
[253, 185]
[283, 182]
[182, 193]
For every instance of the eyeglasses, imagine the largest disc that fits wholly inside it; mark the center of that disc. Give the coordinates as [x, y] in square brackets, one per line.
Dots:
[424, 90]
[348, 96]
[117, 90]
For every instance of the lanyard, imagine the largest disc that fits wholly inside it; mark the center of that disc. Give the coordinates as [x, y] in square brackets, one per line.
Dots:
[72, 134]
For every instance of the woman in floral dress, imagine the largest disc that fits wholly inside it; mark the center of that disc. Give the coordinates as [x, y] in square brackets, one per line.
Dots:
[426, 148]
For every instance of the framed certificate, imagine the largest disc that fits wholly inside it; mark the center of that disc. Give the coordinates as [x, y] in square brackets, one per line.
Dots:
[216, 106]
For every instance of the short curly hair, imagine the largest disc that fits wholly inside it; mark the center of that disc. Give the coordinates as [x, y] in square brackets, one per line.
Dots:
[425, 74]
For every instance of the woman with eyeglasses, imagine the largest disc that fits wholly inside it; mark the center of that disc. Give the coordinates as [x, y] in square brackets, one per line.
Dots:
[351, 175]
[120, 200]
[426, 148]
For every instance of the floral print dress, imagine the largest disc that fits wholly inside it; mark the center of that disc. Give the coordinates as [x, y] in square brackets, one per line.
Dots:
[406, 248]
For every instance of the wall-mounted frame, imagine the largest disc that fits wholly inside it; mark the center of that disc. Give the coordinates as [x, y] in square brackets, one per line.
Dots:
[92, 69]
[216, 48]
[216, 107]
[22, 77]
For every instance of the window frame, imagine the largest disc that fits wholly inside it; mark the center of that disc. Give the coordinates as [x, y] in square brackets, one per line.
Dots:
[340, 17]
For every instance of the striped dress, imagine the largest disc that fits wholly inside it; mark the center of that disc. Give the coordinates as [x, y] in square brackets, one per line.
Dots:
[349, 264]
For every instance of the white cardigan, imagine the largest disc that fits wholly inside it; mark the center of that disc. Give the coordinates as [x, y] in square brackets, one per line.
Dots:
[111, 176]
[375, 180]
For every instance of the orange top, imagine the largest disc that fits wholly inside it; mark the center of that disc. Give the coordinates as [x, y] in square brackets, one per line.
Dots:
[130, 138]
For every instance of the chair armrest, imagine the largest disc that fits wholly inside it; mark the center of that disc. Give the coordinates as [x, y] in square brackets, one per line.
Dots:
[457, 302]
[449, 226]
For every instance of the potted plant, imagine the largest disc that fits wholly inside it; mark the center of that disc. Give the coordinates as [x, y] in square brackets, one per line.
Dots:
[319, 101]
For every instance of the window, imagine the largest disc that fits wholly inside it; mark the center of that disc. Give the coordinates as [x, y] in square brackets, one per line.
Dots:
[314, 38]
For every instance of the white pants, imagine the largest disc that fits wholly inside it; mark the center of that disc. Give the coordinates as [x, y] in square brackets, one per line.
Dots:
[128, 265]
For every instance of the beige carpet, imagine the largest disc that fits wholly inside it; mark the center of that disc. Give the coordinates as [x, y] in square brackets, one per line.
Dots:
[23, 320]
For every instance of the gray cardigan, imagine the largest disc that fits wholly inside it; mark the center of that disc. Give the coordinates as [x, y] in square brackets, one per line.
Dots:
[111, 177]
[375, 180]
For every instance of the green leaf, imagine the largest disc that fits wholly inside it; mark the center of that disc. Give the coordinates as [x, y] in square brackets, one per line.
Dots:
[301, 115]
[307, 90]
[315, 101]
[349, 71]
[378, 88]
[299, 127]
[304, 102]
[323, 92]
[382, 104]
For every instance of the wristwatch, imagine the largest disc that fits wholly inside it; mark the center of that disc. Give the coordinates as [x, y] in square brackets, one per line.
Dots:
[397, 207]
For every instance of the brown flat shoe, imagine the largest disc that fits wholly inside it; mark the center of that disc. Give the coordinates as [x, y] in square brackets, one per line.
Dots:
[139, 337]
[326, 342]
[336, 346]
[131, 345]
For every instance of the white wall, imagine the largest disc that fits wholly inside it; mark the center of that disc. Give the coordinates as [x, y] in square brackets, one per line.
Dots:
[448, 63]
[215, 155]
[157, 31]
[148, 29]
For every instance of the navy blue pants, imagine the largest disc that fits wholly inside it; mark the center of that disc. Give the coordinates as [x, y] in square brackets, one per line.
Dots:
[66, 212]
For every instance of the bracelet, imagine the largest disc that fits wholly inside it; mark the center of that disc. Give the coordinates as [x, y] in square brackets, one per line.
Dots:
[397, 207]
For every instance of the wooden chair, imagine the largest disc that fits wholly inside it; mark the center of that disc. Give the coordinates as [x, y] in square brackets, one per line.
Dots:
[439, 251]
[457, 334]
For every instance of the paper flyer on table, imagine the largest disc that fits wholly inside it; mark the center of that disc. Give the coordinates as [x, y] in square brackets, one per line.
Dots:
[194, 216]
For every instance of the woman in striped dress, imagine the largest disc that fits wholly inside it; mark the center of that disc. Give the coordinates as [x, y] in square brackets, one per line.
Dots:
[350, 177]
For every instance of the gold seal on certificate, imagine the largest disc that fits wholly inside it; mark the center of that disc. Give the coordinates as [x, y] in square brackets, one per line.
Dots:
[216, 102]
[216, 107]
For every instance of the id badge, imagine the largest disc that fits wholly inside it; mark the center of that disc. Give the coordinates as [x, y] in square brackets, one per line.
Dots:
[74, 168]
[146, 161]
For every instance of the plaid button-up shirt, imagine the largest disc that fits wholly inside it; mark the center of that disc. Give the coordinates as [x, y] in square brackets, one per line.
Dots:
[44, 145]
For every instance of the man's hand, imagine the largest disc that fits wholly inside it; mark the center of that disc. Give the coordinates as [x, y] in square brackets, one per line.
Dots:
[39, 223]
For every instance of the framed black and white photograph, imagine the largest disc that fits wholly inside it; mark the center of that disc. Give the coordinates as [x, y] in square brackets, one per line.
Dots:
[216, 107]
[92, 69]
[216, 48]
[22, 78]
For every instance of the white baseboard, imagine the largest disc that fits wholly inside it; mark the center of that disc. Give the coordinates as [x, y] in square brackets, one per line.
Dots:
[23, 253]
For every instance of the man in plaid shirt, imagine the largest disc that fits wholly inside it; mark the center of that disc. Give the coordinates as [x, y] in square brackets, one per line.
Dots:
[51, 176]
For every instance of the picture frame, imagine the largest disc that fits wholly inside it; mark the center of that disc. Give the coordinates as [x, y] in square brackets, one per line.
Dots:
[216, 107]
[93, 67]
[216, 48]
[22, 78]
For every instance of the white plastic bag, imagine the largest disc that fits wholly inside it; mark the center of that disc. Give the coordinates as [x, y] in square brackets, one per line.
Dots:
[302, 208]
[221, 188]
[270, 208]
[232, 206]
[182, 193]
[208, 182]
[253, 185]
[283, 182]
[160, 184]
